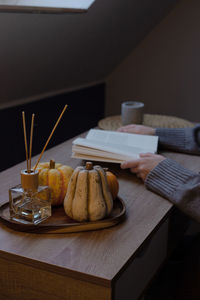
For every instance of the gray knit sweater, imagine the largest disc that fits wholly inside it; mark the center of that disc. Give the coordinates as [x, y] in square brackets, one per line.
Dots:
[172, 181]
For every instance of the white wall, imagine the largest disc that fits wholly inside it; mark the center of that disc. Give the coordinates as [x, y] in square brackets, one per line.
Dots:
[41, 54]
[164, 69]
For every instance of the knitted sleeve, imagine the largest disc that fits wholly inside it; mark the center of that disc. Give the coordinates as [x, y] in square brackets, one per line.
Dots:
[179, 185]
[181, 139]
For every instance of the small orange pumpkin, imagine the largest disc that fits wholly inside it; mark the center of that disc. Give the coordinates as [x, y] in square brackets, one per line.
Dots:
[112, 183]
[56, 176]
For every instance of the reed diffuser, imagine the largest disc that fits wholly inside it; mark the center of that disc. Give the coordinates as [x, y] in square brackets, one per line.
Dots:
[29, 202]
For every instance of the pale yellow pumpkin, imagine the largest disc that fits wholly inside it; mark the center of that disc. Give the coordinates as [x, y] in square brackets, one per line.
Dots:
[57, 177]
[88, 196]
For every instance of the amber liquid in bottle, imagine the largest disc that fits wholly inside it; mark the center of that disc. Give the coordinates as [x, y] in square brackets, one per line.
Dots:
[29, 202]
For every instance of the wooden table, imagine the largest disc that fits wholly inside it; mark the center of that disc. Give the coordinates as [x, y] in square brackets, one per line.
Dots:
[114, 263]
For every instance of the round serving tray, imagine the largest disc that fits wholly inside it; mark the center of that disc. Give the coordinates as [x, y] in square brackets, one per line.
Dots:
[59, 222]
[152, 120]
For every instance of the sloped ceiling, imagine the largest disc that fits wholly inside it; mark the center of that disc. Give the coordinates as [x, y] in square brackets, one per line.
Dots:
[45, 53]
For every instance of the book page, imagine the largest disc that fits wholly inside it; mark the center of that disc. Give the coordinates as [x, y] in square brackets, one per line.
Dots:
[122, 149]
[143, 143]
[113, 146]
[96, 158]
[102, 152]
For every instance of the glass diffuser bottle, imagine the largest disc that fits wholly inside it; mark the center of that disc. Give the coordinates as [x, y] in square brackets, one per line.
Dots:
[29, 202]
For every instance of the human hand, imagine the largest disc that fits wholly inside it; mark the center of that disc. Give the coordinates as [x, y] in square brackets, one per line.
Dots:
[143, 165]
[137, 129]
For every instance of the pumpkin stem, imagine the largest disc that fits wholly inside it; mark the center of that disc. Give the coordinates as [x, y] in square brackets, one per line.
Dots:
[89, 165]
[52, 164]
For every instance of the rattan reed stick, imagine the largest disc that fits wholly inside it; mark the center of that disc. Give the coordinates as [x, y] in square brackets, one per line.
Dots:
[25, 139]
[50, 137]
[31, 140]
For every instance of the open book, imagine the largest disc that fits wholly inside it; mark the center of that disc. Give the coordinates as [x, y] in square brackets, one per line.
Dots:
[112, 146]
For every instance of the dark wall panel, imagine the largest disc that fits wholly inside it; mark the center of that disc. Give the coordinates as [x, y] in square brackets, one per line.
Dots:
[85, 108]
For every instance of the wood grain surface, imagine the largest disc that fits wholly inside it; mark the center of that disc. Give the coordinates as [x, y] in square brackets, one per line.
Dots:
[19, 281]
[97, 256]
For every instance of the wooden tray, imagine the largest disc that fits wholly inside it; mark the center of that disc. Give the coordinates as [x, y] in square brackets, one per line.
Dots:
[59, 222]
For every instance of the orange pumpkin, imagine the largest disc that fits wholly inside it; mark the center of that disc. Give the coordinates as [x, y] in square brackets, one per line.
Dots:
[57, 177]
[112, 183]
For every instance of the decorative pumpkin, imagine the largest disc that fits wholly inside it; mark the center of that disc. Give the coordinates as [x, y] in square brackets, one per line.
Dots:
[88, 196]
[57, 177]
[112, 183]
